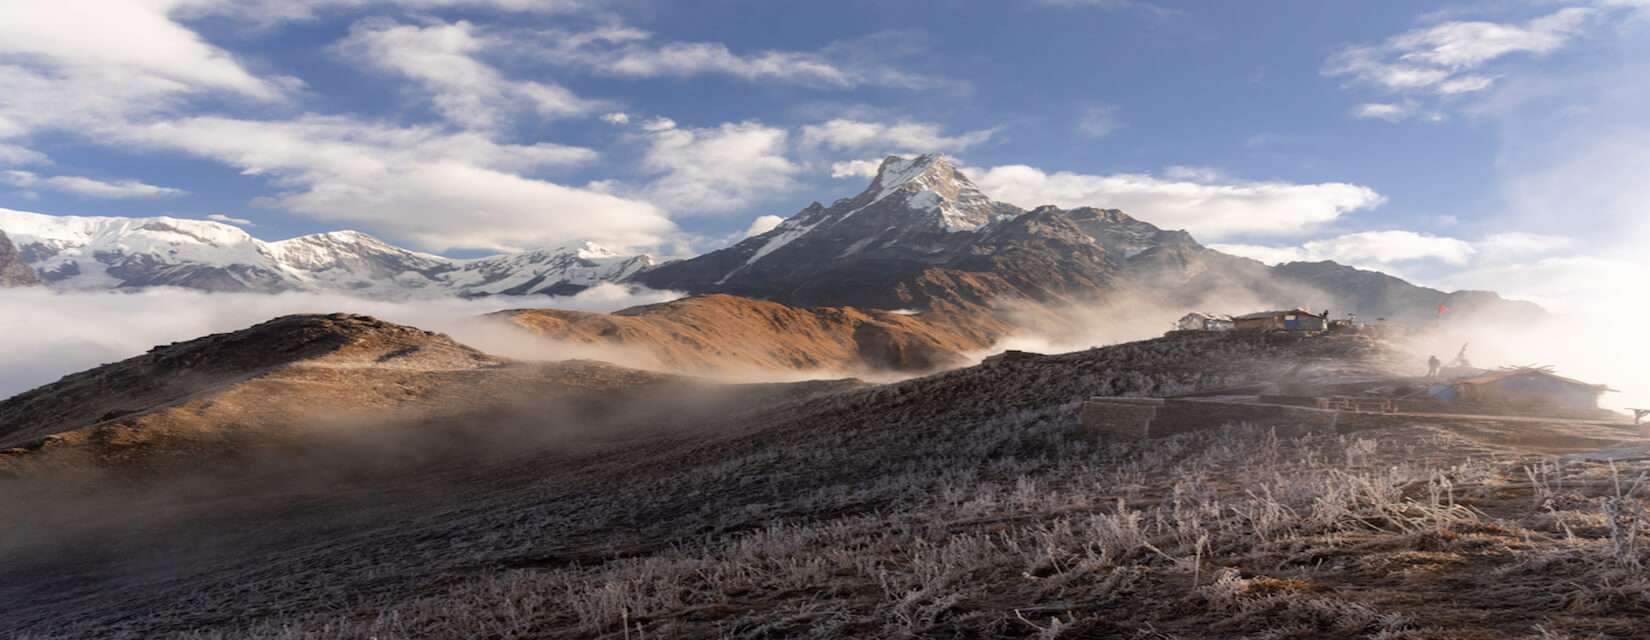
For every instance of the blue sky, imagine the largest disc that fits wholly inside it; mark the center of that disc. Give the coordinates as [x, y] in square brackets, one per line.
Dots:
[1495, 144]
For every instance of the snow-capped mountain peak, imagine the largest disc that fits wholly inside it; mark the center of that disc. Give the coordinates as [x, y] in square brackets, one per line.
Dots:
[591, 251]
[932, 184]
[931, 172]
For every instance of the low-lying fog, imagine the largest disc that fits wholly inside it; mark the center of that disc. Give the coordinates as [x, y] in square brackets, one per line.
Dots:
[46, 335]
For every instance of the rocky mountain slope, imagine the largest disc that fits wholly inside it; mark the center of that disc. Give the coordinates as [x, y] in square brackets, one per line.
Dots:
[89, 253]
[14, 272]
[724, 333]
[923, 236]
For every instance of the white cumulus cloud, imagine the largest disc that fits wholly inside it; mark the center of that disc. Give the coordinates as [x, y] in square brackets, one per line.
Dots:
[719, 169]
[855, 169]
[1363, 248]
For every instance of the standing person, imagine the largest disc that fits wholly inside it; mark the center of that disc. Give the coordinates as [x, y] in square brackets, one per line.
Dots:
[1432, 366]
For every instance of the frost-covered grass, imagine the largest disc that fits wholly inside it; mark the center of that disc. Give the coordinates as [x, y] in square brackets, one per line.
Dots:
[964, 505]
[1231, 533]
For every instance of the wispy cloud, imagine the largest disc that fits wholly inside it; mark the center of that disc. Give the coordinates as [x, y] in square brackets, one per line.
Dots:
[716, 170]
[1450, 59]
[227, 219]
[889, 137]
[434, 188]
[621, 50]
[269, 12]
[1098, 121]
[1396, 111]
[1442, 58]
[1140, 6]
[89, 187]
[444, 59]
[12, 155]
[140, 39]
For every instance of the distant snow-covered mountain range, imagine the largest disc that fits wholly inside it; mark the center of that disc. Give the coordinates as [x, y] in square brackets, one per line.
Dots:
[91, 253]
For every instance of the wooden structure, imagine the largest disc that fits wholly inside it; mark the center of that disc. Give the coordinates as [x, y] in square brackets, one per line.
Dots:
[1358, 404]
[1195, 321]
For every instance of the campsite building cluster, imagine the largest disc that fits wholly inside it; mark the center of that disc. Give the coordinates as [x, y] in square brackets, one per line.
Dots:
[1459, 387]
[1280, 320]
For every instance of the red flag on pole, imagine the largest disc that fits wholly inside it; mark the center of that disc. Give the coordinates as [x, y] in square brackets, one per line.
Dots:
[1441, 310]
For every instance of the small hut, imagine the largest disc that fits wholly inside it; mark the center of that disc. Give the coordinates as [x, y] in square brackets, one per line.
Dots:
[1282, 320]
[1529, 388]
[1195, 321]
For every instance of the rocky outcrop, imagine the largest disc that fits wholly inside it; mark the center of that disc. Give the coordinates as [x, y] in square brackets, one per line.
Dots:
[14, 272]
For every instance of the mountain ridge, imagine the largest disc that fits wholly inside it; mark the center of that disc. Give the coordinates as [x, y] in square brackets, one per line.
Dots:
[93, 253]
[923, 236]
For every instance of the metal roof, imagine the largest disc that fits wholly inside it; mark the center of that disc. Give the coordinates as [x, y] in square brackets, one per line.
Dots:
[1273, 314]
[1497, 376]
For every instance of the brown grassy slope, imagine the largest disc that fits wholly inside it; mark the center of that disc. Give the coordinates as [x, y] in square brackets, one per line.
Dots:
[220, 394]
[173, 372]
[715, 332]
[965, 504]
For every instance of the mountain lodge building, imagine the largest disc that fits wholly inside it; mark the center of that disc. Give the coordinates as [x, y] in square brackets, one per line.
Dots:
[1527, 387]
[1282, 320]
